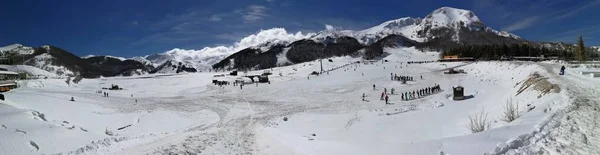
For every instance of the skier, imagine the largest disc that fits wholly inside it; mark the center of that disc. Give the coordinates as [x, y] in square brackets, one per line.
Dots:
[385, 90]
[562, 70]
[363, 97]
[72, 99]
[386, 99]
[373, 86]
[241, 85]
[382, 95]
[421, 77]
[392, 91]
[402, 96]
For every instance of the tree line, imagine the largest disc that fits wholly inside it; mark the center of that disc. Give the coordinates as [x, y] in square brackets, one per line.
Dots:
[497, 52]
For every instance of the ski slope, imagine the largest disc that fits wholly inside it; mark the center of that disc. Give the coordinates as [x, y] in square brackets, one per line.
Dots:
[186, 113]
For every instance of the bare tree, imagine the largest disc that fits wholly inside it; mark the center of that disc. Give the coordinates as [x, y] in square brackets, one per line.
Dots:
[479, 122]
[511, 111]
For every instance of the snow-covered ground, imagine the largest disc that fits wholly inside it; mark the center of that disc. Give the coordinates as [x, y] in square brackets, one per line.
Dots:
[34, 72]
[186, 113]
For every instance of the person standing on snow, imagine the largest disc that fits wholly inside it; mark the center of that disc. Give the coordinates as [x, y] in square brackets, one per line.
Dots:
[392, 91]
[402, 96]
[373, 86]
[386, 99]
[363, 97]
[385, 90]
[382, 95]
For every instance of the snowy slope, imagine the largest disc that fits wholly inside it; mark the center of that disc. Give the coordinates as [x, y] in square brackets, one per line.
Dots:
[32, 71]
[17, 48]
[89, 56]
[403, 26]
[453, 18]
[44, 61]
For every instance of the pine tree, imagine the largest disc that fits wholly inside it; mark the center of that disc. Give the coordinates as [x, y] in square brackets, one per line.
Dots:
[580, 50]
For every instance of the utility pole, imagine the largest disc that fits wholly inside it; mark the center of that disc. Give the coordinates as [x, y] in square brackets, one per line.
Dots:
[321, 60]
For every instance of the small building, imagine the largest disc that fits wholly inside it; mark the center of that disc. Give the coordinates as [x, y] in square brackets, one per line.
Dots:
[459, 93]
[8, 80]
[453, 58]
[263, 79]
[24, 76]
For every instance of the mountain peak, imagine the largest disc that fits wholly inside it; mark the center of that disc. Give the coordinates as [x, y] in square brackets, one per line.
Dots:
[449, 17]
[10, 47]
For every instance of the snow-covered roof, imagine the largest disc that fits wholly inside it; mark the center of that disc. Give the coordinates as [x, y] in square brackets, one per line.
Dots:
[8, 72]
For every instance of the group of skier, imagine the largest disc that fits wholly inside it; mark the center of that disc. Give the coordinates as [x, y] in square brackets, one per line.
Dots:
[419, 62]
[420, 93]
[395, 77]
[384, 96]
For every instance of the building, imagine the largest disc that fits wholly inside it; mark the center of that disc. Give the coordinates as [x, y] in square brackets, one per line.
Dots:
[459, 93]
[8, 80]
[451, 58]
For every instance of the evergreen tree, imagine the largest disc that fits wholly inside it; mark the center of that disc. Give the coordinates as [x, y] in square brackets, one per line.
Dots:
[580, 50]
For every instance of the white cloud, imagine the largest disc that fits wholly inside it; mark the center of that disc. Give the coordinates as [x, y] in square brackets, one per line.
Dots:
[255, 13]
[525, 23]
[214, 18]
[263, 36]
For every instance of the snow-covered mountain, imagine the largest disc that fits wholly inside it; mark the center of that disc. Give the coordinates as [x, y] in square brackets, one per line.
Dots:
[418, 29]
[596, 48]
[462, 26]
[204, 58]
[114, 57]
[403, 26]
[442, 28]
[453, 19]
[63, 63]
[16, 49]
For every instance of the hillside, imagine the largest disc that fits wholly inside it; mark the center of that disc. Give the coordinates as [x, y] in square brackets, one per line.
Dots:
[443, 28]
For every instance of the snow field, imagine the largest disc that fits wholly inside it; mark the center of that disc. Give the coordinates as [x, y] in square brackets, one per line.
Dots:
[185, 113]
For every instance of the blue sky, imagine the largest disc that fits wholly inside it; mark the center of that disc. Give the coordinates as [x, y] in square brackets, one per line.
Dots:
[133, 28]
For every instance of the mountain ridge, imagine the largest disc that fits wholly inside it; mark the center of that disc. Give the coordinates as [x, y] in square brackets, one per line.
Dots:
[443, 28]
